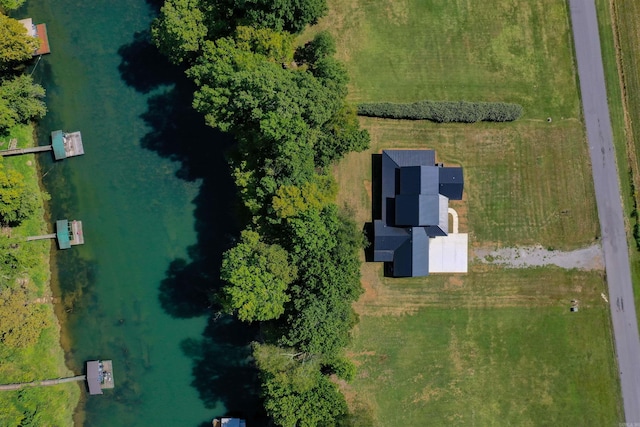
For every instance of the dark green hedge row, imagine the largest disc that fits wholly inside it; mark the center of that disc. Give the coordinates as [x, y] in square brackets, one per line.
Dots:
[444, 111]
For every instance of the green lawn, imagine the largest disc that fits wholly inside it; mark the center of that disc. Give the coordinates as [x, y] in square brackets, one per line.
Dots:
[409, 50]
[495, 346]
[486, 366]
[44, 406]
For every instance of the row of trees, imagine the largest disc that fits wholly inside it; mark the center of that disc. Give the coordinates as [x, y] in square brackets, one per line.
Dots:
[21, 100]
[29, 342]
[444, 111]
[295, 268]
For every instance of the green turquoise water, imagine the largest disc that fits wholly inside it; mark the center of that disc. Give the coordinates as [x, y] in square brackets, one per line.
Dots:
[153, 193]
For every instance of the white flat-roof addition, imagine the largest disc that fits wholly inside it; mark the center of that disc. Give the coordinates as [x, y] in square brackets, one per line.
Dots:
[449, 254]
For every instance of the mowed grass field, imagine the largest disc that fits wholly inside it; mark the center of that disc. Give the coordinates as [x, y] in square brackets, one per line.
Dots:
[495, 346]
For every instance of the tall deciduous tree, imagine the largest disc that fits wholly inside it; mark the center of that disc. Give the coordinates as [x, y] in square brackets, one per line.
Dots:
[15, 44]
[16, 202]
[290, 200]
[295, 392]
[11, 4]
[22, 321]
[20, 100]
[179, 31]
[287, 15]
[324, 247]
[257, 276]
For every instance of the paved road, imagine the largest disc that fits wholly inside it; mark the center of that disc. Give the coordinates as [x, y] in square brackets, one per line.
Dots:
[605, 176]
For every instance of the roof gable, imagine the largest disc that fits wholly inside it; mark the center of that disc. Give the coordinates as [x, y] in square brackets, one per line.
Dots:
[415, 200]
[451, 182]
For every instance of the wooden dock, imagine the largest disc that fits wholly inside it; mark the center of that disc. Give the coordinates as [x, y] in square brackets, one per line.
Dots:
[63, 145]
[68, 233]
[41, 237]
[18, 386]
[18, 151]
[66, 144]
[99, 376]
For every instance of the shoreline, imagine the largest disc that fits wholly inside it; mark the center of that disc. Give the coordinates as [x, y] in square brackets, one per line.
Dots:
[54, 290]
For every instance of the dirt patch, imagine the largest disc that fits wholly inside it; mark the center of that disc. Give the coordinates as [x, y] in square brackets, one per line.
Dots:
[427, 394]
[589, 258]
[454, 282]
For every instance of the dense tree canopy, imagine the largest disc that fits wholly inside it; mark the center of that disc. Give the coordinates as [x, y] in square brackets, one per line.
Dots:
[16, 200]
[15, 44]
[295, 391]
[324, 247]
[296, 266]
[290, 200]
[11, 4]
[184, 25]
[180, 31]
[288, 121]
[20, 101]
[21, 322]
[257, 277]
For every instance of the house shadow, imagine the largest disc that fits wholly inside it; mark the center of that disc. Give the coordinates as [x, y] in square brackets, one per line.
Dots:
[376, 205]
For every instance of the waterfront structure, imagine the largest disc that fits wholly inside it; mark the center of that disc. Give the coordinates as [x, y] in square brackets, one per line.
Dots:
[68, 233]
[63, 145]
[38, 31]
[412, 235]
[99, 376]
[229, 422]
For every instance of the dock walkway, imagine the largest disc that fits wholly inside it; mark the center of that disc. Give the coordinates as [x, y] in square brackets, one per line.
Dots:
[17, 151]
[42, 383]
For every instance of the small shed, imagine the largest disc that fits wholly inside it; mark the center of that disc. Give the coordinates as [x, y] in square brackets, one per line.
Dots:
[39, 31]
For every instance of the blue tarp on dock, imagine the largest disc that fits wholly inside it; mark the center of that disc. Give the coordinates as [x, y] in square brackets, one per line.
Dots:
[62, 233]
[57, 141]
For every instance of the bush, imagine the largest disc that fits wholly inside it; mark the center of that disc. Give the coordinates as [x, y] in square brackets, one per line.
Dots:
[444, 111]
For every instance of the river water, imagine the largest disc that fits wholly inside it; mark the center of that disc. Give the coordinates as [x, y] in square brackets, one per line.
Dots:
[156, 201]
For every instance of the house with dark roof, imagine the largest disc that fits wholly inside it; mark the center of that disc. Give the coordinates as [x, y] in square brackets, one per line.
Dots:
[415, 211]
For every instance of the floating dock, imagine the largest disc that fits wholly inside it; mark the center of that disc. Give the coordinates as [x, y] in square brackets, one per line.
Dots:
[99, 376]
[63, 145]
[38, 31]
[66, 144]
[68, 233]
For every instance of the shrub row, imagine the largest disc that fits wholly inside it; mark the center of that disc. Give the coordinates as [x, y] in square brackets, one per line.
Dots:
[444, 111]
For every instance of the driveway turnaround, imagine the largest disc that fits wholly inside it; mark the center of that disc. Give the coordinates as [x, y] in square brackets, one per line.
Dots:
[605, 177]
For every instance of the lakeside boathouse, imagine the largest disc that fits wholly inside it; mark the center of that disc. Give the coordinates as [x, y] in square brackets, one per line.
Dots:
[99, 376]
[69, 233]
[38, 31]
